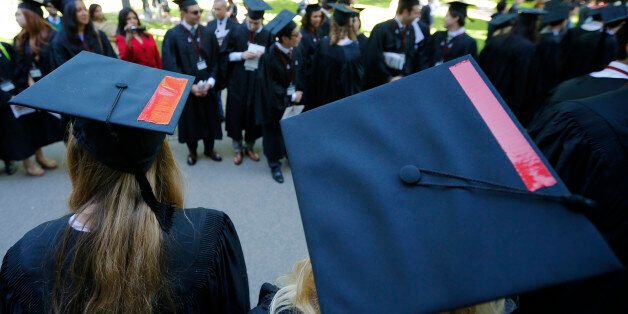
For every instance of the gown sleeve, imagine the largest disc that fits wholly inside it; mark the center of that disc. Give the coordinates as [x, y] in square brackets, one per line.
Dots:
[169, 53]
[106, 45]
[229, 277]
[374, 56]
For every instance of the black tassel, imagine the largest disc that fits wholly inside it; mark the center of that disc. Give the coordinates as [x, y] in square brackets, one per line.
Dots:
[163, 212]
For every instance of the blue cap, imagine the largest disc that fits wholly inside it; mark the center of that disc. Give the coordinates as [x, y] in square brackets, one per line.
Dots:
[256, 8]
[612, 13]
[281, 21]
[556, 13]
[426, 194]
[503, 19]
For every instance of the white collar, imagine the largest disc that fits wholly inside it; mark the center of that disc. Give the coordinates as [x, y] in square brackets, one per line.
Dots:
[249, 28]
[54, 19]
[344, 42]
[77, 225]
[399, 22]
[610, 73]
[282, 48]
[223, 21]
[455, 33]
[592, 26]
[188, 26]
[418, 34]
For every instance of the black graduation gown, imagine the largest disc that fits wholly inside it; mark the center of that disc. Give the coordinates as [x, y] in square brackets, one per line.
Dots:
[14, 142]
[420, 50]
[583, 87]
[244, 99]
[337, 74]
[277, 80]
[203, 257]
[386, 37]
[459, 46]
[41, 127]
[323, 30]
[507, 61]
[266, 294]
[583, 52]
[223, 63]
[309, 43]
[585, 141]
[547, 58]
[200, 118]
[63, 48]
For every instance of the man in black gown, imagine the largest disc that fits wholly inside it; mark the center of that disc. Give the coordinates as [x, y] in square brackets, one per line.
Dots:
[244, 93]
[389, 52]
[454, 42]
[190, 48]
[284, 86]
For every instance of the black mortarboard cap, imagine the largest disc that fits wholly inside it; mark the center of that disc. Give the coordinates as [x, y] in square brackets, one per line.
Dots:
[256, 8]
[184, 4]
[32, 5]
[556, 13]
[422, 208]
[503, 20]
[282, 23]
[122, 112]
[459, 6]
[312, 8]
[59, 4]
[531, 11]
[343, 13]
[613, 13]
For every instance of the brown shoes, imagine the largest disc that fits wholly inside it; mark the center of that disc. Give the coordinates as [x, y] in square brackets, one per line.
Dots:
[237, 159]
[253, 155]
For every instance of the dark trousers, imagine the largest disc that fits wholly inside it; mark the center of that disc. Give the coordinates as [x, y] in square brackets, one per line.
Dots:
[274, 148]
[208, 144]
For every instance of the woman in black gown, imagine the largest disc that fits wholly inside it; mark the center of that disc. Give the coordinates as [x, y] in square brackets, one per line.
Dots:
[34, 61]
[310, 39]
[337, 68]
[124, 247]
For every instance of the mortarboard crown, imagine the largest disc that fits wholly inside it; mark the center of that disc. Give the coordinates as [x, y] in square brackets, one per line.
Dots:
[256, 8]
[556, 13]
[343, 13]
[184, 4]
[32, 5]
[426, 194]
[282, 24]
[613, 13]
[503, 20]
[122, 112]
[459, 6]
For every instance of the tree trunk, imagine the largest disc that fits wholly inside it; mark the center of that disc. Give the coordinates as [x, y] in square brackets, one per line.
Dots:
[126, 3]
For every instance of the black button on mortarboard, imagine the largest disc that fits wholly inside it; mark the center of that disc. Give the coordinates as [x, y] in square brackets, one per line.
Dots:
[410, 174]
[121, 85]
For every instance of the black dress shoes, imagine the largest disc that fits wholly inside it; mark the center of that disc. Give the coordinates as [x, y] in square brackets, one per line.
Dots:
[277, 175]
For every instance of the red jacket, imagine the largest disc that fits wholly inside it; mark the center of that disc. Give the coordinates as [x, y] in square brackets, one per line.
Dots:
[145, 53]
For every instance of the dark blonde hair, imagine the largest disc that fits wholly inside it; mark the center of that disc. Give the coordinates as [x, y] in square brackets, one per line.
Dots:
[337, 32]
[119, 266]
[37, 31]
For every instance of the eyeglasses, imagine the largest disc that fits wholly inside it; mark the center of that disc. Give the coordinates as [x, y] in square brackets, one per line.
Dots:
[196, 12]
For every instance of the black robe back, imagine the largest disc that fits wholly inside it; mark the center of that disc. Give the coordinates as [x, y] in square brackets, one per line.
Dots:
[337, 74]
[583, 87]
[548, 59]
[276, 83]
[308, 45]
[204, 262]
[507, 61]
[421, 50]
[244, 95]
[200, 118]
[442, 51]
[583, 52]
[64, 48]
[586, 142]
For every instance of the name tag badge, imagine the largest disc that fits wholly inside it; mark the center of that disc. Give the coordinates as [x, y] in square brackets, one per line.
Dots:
[189, 39]
[201, 65]
[7, 86]
[291, 90]
[35, 73]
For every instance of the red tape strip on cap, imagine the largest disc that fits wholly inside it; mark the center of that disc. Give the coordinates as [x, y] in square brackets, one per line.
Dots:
[527, 163]
[163, 103]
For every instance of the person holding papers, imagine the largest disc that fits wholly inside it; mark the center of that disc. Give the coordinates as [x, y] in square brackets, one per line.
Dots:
[453, 42]
[282, 70]
[246, 43]
[389, 47]
[190, 48]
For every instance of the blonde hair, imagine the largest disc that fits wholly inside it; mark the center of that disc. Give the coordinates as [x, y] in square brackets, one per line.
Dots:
[119, 266]
[298, 291]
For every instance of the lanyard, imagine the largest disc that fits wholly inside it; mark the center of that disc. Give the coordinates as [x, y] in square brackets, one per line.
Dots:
[288, 62]
[4, 52]
[195, 40]
[617, 69]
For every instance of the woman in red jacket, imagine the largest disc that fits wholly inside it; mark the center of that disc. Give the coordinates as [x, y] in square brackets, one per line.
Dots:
[136, 45]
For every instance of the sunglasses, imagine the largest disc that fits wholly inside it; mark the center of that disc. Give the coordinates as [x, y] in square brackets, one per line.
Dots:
[196, 12]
